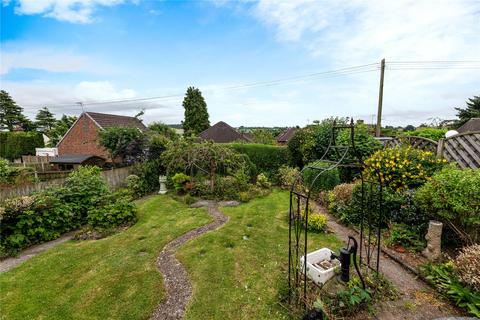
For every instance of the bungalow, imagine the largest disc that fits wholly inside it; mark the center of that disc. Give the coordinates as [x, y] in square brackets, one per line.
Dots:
[82, 140]
[223, 133]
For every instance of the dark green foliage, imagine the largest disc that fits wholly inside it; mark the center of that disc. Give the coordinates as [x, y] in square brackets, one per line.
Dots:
[163, 129]
[11, 114]
[196, 114]
[453, 196]
[180, 181]
[15, 144]
[124, 142]
[404, 235]
[267, 159]
[263, 136]
[365, 143]
[472, 110]
[445, 280]
[60, 129]
[114, 213]
[325, 181]
[434, 134]
[45, 120]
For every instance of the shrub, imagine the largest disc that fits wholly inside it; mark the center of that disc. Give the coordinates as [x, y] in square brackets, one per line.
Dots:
[134, 185]
[4, 171]
[467, 266]
[287, 176]
[15, 144]
[317, 222]
[116, 212]
[402, 235]
[400, 168]
[365, 143]
[453, 196]
[444, 279]
[262, 181]
[326, 181]
[429, 133]
[180, 181]
[340, 197]
[84, 188]
[267, 159]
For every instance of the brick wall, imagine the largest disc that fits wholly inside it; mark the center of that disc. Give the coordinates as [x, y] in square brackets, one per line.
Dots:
[83, 139]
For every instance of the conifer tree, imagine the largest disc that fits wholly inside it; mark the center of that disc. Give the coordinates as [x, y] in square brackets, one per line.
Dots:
[10, 113]
[471, 111]
[45, 120]
[196, 114]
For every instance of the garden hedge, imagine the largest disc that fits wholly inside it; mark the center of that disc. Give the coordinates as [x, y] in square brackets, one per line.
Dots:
[267, 158]
[15, 144]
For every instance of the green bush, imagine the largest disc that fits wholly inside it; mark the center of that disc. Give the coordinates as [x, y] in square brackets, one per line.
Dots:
[287, 176]
[116, 212]
[445, 280]
[401, 234]
[453, 196]
[262, 181]
[429, 133]
[180, 181]
[317, 222]
[267, 159]
[13, 145]
[133, 184]
[4, 171]
[326, 181]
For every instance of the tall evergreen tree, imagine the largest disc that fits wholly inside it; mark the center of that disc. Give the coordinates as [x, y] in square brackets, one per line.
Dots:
[196, 114]
[472, 110]
[10, 113]
[45, 120]
[60, 128]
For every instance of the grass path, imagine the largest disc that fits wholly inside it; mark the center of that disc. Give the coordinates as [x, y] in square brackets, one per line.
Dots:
[112, 278]
[238, 270]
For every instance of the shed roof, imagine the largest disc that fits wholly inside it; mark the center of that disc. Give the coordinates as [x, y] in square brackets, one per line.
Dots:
[105, 120]
[469, 126]
[221, 132]
[75, 158]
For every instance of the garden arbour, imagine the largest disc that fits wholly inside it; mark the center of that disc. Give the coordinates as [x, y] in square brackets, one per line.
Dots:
[336, 156]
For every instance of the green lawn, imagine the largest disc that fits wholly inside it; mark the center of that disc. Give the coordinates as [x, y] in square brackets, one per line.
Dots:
[236, 271]
[239, 278]
[112, 278]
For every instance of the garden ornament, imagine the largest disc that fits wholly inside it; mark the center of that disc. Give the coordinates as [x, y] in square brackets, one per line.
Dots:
[163, 188]
[433, 251]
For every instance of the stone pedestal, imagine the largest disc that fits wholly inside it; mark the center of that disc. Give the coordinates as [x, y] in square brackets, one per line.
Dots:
[163, 188]
[433, 251]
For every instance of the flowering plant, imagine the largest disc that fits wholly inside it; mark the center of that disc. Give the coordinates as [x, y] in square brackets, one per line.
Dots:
[402, 168]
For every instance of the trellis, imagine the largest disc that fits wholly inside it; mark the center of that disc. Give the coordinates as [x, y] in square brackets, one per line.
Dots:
[420, 143]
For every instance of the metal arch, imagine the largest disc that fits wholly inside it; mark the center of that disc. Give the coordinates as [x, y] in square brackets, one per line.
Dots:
[299, 202]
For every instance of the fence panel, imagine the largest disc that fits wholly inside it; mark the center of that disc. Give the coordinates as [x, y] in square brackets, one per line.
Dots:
[114, 178]
[463, 148]
[421, 143]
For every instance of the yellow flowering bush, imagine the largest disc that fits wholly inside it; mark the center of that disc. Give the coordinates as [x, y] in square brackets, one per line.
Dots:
[402, 168]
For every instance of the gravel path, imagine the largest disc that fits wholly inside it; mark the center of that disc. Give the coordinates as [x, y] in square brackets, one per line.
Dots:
[10, 263]
[175, 276]
[416, 301]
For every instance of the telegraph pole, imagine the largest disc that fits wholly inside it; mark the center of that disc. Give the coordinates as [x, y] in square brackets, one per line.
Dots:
[380, 99]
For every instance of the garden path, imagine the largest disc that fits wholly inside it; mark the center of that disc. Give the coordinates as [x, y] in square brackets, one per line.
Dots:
[175, 276]
[10, 263]
[416, 300]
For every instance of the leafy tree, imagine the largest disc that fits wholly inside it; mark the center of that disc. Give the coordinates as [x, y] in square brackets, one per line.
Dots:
[263, 136]
[196, 114]
[163, 129]
[60, 128]
[123, 142]
[472, 110]
[45, 120]
[10, 113]
[409, 128]
[205, 158]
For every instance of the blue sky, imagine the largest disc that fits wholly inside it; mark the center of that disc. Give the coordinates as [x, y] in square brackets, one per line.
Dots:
[56, 52]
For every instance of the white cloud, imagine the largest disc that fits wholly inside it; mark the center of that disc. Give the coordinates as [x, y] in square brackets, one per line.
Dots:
[43, 59]
[101, 90]
[75, 11]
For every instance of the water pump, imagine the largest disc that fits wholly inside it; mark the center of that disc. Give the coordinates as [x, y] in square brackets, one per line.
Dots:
[345, 258]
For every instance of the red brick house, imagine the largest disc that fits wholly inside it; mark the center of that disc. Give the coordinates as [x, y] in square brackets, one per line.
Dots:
[223, 133]
[82, 138]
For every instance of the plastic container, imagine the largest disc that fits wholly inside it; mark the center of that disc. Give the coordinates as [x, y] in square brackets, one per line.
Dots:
[320, 266]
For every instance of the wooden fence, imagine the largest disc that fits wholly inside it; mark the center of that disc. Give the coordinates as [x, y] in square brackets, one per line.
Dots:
[463, 148]
[114, 178]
